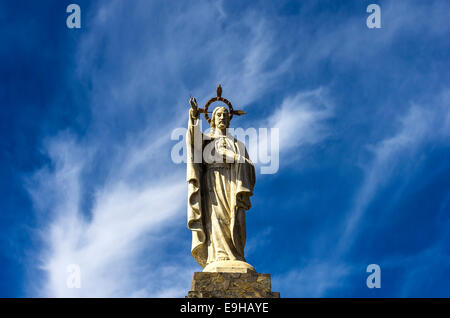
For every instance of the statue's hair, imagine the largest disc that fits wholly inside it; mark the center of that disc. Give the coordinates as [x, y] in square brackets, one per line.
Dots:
[213, 116]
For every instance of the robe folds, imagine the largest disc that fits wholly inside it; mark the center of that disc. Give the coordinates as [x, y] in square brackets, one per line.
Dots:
[218, 196]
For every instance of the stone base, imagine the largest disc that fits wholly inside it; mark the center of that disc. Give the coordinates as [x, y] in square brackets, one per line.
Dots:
[229, 267]
[231, 285]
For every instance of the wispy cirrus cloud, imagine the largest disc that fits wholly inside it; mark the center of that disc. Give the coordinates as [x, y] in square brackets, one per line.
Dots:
[119, 238]
[395, 155]
[125, 220]
[421, 125]
[315, 278]
[302, 118]
[109, 198]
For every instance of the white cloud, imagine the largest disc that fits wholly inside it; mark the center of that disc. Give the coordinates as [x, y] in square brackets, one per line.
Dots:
[135, 207]
[302, 119]
[250, 77]
[314, 279]
[125, 221]
[422, 124]
[119, 242]
[346, 41]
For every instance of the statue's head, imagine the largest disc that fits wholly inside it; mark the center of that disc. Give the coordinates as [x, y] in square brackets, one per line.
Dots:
[220, 118]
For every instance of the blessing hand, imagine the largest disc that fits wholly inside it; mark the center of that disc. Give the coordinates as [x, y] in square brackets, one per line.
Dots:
[194, 106]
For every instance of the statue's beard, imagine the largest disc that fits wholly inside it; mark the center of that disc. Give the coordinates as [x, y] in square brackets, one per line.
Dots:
[221, 126]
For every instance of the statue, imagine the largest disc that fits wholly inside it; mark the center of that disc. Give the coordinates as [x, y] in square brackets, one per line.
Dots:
[221, 178]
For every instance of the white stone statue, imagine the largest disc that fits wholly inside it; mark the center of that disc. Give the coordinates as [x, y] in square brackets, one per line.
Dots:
[220, 179]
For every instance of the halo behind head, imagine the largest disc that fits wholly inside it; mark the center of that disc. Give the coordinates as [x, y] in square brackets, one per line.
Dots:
[219, 98]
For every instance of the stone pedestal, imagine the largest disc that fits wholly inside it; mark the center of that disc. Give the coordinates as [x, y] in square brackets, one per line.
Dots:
[231, 285]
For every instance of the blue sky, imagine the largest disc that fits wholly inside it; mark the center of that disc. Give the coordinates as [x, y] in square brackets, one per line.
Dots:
[364, 121]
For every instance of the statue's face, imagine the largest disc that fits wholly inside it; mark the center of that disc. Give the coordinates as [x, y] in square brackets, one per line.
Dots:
[222, 118]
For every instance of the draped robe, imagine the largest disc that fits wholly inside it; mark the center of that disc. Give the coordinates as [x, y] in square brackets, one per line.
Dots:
[218, 196]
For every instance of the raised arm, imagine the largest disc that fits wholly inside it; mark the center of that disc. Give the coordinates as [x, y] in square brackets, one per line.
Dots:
[194, 114]
[194, 136]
